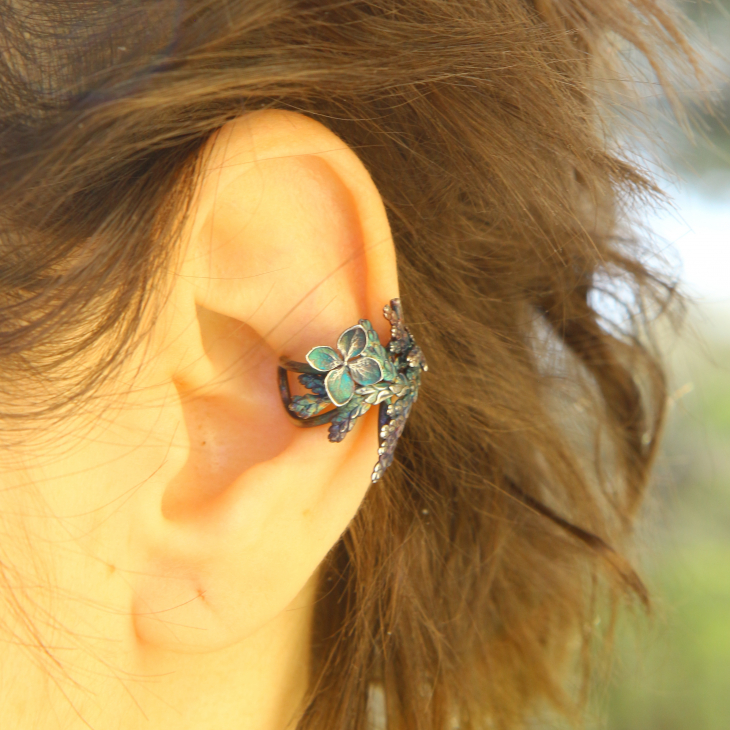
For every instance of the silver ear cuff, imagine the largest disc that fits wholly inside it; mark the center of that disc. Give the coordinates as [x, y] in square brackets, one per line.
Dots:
[360, 373]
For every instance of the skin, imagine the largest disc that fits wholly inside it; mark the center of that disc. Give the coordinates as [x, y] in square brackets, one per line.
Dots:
[160, 548]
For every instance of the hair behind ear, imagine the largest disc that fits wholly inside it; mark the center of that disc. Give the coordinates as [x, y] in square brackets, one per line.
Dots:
[479, 123]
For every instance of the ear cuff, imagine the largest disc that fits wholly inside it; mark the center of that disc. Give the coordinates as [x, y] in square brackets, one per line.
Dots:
[360, 373]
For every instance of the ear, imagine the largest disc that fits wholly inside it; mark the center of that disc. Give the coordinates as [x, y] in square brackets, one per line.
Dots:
[288, 246]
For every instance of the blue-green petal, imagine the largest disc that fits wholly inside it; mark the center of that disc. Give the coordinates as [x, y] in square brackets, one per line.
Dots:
[375, 350]
[366, 371]
[323, 359]
[352, 342]
[340, 386]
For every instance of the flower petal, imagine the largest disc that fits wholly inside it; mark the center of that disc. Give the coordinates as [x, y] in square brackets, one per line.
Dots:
[323, 359]
[340, 386]
[352, 342]
[366, 371]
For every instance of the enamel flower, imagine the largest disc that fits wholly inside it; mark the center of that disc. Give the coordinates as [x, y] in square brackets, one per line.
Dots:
[346, 368]
[357, 376]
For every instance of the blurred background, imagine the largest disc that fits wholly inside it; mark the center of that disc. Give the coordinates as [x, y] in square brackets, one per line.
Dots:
[673, 672]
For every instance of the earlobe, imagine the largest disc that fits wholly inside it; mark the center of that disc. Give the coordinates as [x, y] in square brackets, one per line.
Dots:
[289, 246]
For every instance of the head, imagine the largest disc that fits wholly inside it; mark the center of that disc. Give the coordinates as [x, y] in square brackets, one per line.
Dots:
[191, 190]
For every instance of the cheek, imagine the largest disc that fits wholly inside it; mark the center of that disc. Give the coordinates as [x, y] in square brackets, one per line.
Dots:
[75, 502]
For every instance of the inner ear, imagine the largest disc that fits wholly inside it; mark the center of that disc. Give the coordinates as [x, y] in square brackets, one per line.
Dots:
[232, 413]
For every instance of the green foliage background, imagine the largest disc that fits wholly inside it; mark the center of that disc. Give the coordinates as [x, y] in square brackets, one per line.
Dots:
[672, 672]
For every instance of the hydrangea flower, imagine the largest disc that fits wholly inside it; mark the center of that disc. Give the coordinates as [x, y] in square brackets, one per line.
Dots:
[342, 369]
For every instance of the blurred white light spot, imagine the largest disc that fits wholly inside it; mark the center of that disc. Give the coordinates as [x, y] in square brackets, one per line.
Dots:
[699, 230]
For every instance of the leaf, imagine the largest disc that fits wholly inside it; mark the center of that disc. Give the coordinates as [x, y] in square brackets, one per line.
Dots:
[345, 418]
[315, 383]
[375, 394]
[308, 405]
[392, 425]
[400, 339]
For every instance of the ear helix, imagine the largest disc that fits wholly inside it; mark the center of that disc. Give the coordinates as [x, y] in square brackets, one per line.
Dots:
[360, 373]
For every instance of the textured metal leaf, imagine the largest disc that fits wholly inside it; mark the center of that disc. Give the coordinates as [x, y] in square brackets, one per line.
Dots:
[308, 405]
[315, 383]
[375, 394]
[344, 420]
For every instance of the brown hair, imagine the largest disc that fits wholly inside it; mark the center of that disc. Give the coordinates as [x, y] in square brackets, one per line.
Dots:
[462, 583]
